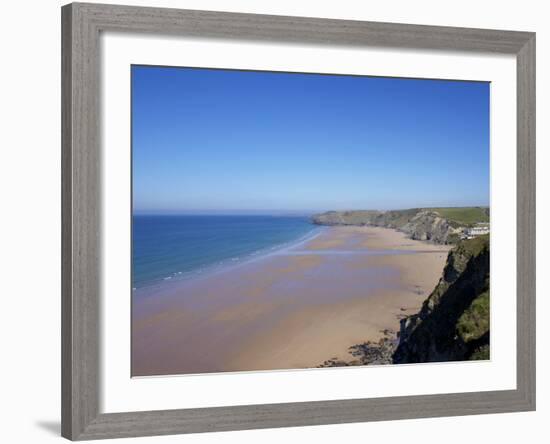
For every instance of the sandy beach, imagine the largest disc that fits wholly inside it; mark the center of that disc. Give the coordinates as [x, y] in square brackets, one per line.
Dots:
[294, 308]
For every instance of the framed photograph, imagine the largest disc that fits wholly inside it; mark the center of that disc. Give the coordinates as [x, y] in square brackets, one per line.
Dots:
[278, 221]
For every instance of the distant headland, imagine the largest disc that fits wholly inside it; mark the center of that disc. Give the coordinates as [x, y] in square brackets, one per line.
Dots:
[445, 225]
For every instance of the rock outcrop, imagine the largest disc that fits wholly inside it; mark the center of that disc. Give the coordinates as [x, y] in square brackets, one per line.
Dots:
[453, 323]
[368, 353]
[420, 224]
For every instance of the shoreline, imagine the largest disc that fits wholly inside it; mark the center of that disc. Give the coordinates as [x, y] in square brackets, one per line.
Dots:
[294, 309]
[226, 264]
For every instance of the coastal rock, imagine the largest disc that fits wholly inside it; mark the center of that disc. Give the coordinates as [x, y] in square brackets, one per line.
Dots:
[418, 224]
[429, 226]
[368, 353]
[453, 323]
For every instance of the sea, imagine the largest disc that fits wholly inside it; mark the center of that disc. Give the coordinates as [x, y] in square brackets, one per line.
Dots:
[172, 247]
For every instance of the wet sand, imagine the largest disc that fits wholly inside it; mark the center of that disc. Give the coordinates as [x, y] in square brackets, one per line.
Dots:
[295, 308]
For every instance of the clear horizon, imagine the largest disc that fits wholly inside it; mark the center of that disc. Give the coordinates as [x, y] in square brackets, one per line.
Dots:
[271, 212]
[210, 141]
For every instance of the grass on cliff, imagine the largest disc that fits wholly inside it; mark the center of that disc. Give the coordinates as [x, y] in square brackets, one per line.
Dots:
[481, 354]
[464, 215]
[473, 246]
[398, 218]
[474, 322]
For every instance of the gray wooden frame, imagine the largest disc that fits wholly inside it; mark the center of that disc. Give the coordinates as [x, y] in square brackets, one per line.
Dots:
[81, 166]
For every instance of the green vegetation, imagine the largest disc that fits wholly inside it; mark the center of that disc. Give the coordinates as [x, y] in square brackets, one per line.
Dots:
[398, 218]
[453, 238]
[474, 322]
[464, 215]
[472, 247]
[481, 354]
[359, 217]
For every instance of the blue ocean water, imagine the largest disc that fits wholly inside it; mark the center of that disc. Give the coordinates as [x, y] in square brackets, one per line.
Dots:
[174, 246]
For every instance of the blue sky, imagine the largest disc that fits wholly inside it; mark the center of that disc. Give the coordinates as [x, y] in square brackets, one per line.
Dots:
[236, 141]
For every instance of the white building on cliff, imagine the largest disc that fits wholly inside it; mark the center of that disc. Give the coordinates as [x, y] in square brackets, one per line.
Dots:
[477, 230]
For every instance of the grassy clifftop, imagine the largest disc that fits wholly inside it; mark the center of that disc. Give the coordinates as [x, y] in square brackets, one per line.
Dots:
[464, 215]
[398, 218]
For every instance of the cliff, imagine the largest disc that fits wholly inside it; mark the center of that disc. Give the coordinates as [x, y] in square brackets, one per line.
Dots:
[417, 223]
[453, 323]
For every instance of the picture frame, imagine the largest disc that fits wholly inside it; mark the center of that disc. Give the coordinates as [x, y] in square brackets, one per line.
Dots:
[82, 24]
